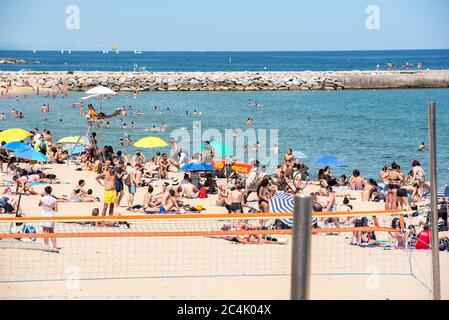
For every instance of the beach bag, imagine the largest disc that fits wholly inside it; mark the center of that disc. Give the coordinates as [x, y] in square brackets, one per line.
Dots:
[29, 229]
[128, 180]
[444, 244]
[202, 193]
[43, 146]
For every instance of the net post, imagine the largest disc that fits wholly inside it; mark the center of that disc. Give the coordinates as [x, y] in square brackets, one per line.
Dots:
[302, 222]
[434, 204]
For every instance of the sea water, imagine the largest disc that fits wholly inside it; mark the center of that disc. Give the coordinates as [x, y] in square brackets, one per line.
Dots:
[364, 128]
[224, 61]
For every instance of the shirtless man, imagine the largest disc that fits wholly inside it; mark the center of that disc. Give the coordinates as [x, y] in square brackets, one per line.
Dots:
[169, 202]
[235, 199]
[164, 165]
[110, 194]
[356, 182]
[190, 191]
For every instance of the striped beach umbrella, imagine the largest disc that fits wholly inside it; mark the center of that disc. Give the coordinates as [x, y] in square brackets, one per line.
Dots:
[284, 202]
[443, 191]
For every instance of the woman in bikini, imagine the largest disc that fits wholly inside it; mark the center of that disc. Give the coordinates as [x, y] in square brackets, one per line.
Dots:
[264, 195]
[288, 163]
[78, 193]
[394, 179]
[22, 185]
[419, 176]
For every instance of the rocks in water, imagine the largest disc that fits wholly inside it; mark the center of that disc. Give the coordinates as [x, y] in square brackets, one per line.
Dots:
[11, 61]
[228, 81]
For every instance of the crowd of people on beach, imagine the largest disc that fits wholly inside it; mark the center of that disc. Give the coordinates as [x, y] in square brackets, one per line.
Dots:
[121, 174]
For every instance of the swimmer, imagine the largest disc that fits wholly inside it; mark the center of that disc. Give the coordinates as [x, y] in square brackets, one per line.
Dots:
[421, 147]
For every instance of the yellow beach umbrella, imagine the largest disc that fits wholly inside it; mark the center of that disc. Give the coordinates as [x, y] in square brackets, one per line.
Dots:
[72, 139]
[14, 135]
[150, 142]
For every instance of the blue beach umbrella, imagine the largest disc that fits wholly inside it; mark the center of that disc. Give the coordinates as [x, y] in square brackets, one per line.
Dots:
[330, 161]
[16, 146]
[30, 154]
[194, 166]
[299, 155]
[76, 150]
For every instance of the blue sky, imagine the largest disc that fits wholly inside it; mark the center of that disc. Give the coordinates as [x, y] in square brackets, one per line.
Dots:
[246, 25]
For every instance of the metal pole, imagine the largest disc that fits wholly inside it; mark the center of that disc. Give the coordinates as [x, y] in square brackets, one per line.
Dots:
[302, 225]
[434, 204]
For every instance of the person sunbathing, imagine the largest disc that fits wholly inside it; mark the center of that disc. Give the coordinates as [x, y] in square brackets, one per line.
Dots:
[250, 238]
[90, 198]
[22, 186]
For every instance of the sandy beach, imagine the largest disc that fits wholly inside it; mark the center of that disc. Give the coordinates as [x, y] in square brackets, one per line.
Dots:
[200, 267]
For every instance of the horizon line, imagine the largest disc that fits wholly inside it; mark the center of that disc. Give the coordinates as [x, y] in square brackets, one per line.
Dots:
[324, 50]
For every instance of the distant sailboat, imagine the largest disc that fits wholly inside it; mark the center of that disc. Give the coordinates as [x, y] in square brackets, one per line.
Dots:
[34, 51]
[137, 52]
[62, 51]
[69, 52]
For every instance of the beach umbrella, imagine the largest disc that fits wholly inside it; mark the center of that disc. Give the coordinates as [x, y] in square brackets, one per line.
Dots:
[150, 142]
[76, 150]
[15, 146]
[299, 155]
[196, 166]
[72, 140]
[100, 91]
[30, 154]
[220, 148]
[330, 161]
[283, 202]
[14, 134]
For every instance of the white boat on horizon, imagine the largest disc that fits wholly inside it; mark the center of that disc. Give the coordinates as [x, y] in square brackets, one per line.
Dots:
[137, 52]
[62, 51]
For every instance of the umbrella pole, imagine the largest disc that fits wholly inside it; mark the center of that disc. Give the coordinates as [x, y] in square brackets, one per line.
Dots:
[18, 204]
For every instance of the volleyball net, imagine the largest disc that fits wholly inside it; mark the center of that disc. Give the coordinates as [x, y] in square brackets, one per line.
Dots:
[198, 245]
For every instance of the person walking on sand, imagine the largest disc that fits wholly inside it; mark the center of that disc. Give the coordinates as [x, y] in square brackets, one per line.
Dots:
[110, 194]
[49, 205]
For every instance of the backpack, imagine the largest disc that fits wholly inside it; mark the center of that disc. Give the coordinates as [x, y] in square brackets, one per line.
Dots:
[43, 146]
[128, 180]
[444, 244]
[29, 229]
